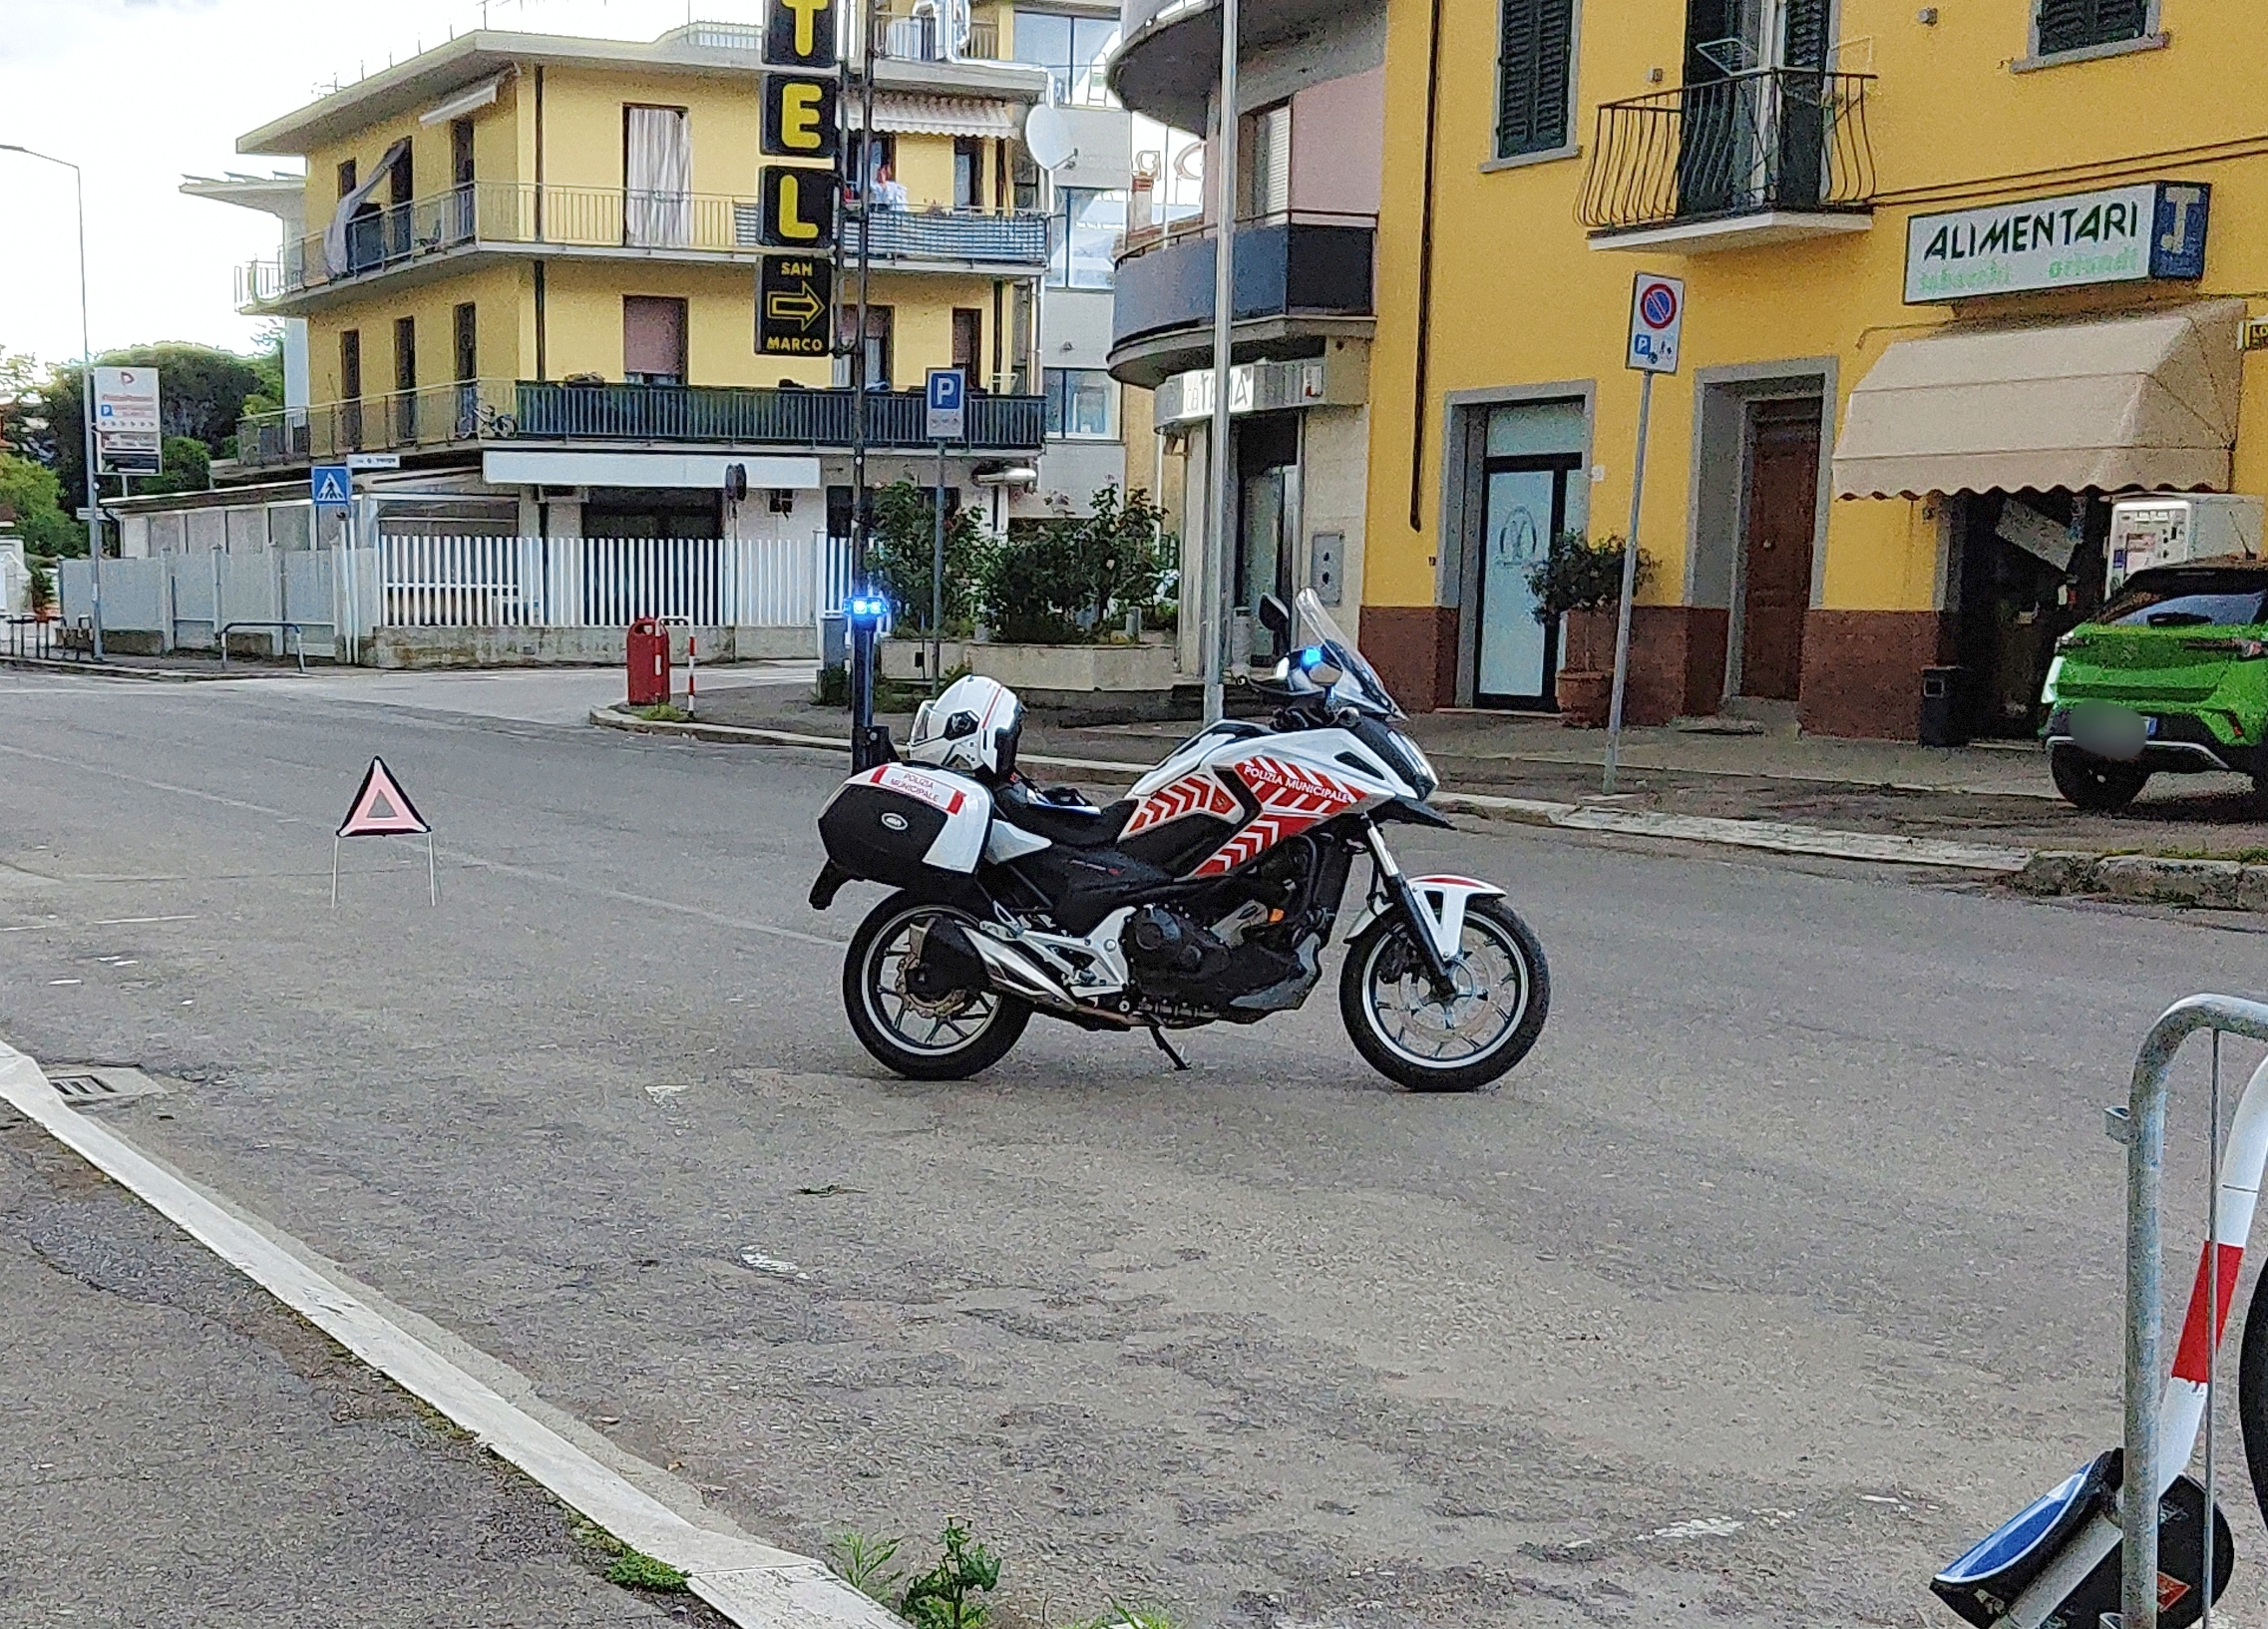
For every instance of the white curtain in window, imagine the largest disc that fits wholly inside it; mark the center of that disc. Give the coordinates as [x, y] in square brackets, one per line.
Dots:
[658, 201]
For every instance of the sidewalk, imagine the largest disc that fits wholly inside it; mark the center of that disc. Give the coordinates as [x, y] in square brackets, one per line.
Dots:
[1994, 796]
[175, 1449]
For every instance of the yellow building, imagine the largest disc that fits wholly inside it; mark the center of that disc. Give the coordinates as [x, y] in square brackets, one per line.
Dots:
[1954, 278]
[529, 265]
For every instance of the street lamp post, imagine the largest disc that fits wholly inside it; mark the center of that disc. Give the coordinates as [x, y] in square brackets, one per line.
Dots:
[86, 399]
[1213, 608]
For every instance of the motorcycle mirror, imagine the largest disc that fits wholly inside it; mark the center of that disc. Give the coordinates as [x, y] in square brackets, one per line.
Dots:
[959, 725]
[1275, 617]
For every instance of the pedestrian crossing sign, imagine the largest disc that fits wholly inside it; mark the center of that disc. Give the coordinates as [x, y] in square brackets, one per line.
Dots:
[334, 485]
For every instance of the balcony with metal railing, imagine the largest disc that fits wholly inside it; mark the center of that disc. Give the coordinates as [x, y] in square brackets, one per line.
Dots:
[606, 222]
[1298, 278]
[1769, 156]
[473, 412]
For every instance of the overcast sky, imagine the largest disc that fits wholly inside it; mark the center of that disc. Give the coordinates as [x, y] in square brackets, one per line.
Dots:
[139, 93]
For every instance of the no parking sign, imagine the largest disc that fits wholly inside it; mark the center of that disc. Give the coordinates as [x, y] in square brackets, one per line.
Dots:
[1656, 318]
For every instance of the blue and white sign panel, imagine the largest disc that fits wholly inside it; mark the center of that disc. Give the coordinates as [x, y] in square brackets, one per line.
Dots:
[2152, 230]
[948, 418]
[1656, 322]
[332, 484]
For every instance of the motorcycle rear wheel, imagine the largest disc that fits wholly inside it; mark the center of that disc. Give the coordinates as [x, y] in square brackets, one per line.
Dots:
[1423, 1043]
[949, 1040]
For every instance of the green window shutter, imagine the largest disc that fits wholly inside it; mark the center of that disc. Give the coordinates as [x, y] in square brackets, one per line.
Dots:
[2073, 25]
[1807, 41]
[1535, 67]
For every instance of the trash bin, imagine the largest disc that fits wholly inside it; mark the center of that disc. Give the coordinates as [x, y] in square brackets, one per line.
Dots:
[1945, 720]
[648, 664]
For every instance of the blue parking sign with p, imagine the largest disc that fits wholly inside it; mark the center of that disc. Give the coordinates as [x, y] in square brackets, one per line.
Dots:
[947, 402]
[333, 486]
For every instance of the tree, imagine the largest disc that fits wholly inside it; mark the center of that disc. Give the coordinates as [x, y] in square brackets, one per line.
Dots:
[33, 492]
[187, 467]
[904, 548]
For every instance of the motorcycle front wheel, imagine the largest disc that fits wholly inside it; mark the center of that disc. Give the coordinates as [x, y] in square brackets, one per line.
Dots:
[1420, 1040]
[944, 1038]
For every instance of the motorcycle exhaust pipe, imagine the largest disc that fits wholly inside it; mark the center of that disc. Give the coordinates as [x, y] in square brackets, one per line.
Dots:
[1007, 969]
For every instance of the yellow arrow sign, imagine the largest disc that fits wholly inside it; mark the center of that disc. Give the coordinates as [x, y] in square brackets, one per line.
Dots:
[798, 305]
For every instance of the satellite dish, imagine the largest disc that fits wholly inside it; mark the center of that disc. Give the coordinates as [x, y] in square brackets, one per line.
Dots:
[1047, 136]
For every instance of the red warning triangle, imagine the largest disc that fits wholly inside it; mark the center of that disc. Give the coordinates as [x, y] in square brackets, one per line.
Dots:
[381, 808]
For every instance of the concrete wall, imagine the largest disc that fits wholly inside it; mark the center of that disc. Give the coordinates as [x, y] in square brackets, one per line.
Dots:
[573, 646]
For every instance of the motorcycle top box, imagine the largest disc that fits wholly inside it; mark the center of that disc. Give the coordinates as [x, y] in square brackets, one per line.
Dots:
[897, 824]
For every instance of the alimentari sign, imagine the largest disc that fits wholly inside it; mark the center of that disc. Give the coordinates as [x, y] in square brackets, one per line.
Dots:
[2119, 234]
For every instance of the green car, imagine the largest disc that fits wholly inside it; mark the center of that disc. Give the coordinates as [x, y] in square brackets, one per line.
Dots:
[2170, 677]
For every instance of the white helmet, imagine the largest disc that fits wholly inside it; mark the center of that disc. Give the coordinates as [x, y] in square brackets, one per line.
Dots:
[971, 726]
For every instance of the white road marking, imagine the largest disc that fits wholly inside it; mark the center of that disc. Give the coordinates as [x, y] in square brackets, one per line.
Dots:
[750, 1583]
[128, 922]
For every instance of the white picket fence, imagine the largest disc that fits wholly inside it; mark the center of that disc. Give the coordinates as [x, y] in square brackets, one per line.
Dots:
[608, 581]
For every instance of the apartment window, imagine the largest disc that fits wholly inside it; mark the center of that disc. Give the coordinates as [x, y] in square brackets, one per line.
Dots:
[654, 340]
[1025, 179]
[1535, 75]
[969, 344]
[405, 379]
[1266, 157]
[880, 333]
[1081, 236]
[967, 172]
[2074, 25]
[1073, 50]
[468, 342]
[350, 387]
[1079, 403]
[460, 153]
[347, 178]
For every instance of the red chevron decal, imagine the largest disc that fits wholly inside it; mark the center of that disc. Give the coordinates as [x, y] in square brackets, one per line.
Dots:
[1291, 798]
[1194, 793]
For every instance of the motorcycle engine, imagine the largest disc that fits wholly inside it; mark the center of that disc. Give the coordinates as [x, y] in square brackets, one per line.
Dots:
[1163, 940]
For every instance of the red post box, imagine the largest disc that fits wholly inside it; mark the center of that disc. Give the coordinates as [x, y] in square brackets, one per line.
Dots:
[649, 663]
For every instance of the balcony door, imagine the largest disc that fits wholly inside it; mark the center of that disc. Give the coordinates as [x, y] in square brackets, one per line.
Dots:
[657, 171]
[1753, 131]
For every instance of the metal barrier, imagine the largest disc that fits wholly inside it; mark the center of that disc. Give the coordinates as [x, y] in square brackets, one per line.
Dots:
[39, 646]
[297, 633]
[2048, 1563]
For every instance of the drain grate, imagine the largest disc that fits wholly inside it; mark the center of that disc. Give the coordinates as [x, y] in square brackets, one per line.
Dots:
[92, 1089]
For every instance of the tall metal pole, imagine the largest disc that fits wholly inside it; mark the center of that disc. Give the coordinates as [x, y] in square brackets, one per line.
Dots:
[1214, 606]
[863, 628]
[937, 579]
[1630, 584]
[86, 400]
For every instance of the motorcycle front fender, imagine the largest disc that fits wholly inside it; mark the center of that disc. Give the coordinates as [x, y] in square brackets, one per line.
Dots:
[1441, 903]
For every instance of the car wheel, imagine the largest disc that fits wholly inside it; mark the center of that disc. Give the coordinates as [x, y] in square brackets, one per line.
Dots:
[2094, 784]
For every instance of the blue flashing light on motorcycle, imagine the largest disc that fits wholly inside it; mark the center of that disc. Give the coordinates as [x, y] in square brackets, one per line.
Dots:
[1206, 896]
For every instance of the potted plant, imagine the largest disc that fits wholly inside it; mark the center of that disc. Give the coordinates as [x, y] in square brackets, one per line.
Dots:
[1582, 582]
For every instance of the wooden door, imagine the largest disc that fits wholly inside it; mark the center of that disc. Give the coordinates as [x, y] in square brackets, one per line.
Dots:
[1783, 517]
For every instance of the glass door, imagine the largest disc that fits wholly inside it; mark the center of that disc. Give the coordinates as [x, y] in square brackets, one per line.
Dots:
[1515, 656]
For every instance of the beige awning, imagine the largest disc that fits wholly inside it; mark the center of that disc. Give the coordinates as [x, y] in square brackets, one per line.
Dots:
[915, 114]
[2120, 403]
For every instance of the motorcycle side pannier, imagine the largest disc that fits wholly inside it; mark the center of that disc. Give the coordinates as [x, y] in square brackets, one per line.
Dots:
[896, 823]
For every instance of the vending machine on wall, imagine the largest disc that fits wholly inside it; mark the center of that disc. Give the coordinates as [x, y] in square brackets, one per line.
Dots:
[2168, 529]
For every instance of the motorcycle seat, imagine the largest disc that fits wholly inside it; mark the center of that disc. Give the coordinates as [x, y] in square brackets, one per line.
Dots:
[1074, 825]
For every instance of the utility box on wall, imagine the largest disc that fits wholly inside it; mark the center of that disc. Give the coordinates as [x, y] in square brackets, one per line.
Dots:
[1327, 556]
[2170, 528]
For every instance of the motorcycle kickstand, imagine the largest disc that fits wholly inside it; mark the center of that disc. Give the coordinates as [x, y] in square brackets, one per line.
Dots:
[1166, 1046]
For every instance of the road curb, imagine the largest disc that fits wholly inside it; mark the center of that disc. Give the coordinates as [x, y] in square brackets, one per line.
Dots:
[2218, 885]
[753, 1584]
[148, 675]
[1774, 836]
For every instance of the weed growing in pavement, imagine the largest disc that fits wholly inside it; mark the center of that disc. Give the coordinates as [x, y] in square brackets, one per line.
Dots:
[864, 1562]
[662, 712]
[1129, 1617]
[634, 1569]
[944, 1596]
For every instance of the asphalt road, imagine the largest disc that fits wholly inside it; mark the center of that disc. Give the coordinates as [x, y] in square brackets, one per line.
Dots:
[1786, 1265]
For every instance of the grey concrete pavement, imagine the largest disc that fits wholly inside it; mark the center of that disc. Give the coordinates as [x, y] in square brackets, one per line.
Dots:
[177, 1451]
[1786, 1264]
